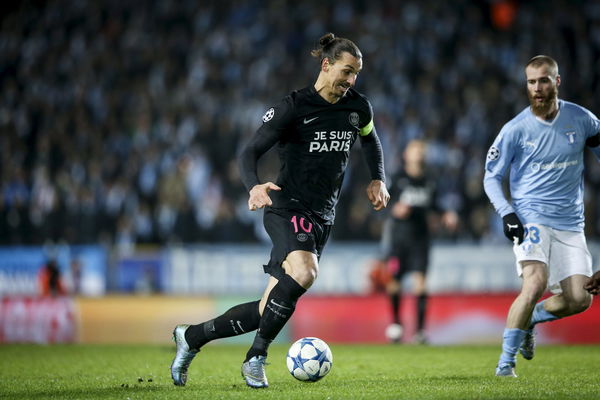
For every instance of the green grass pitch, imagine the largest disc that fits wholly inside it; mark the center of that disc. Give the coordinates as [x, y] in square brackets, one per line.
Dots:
[359, 372]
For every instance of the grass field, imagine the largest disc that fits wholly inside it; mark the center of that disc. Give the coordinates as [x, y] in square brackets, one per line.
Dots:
[359, 372]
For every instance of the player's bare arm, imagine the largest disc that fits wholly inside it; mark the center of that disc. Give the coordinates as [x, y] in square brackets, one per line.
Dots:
[378, 194]
[259, 195]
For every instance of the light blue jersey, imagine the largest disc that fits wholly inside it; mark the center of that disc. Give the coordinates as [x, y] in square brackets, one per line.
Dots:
[546, 166]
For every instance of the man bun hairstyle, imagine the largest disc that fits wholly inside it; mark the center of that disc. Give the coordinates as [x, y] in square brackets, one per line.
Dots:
[540, 60]
[332, 47]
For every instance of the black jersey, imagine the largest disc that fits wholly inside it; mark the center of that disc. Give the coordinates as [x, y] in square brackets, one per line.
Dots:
[314, 138]
[420, 194]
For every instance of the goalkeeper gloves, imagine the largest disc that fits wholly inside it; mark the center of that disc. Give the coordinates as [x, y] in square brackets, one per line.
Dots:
[513, 228]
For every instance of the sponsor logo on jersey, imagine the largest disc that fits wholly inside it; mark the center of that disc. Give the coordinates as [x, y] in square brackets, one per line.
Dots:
[308, 121]
[493, 153]
[331, 141]
[535, 167]
[268, 115]
[559, 165]
[354, 119]
[302, 237]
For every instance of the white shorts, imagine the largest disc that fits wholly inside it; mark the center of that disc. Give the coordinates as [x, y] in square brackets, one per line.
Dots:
[565, 253]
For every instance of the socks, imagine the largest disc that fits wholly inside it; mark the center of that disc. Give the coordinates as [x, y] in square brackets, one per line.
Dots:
[235, 321]
[395, 302]
[512, 340]
[541, 315]
[421, 308]
[280, 306]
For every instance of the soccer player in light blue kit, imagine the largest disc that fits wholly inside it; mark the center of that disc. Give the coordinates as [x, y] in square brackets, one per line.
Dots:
[543, 147]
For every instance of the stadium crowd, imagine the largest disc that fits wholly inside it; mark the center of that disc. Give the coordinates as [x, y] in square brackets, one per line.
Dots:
[120, 120]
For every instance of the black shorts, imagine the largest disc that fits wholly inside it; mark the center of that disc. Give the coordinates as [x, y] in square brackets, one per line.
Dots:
[292, 230]
[411, 251]
[412, 257]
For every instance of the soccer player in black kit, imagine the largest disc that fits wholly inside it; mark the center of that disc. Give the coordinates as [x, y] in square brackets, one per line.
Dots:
[314, 129]
[406, 237]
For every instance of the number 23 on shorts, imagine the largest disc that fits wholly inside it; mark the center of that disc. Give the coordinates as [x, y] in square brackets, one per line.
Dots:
[532, 234]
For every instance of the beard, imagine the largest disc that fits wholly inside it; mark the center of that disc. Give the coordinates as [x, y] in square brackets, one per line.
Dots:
[543, 108]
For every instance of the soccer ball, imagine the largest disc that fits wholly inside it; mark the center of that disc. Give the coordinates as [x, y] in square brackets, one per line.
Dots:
[309, 359]
[393, 332]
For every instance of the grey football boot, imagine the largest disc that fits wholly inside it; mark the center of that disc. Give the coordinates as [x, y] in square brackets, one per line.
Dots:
[253, 371]
[184, 356]
[506, 370]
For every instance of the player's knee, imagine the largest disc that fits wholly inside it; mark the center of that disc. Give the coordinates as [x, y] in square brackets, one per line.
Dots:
[532, 292]
[302, 267]
[305, 275]
[581, 302]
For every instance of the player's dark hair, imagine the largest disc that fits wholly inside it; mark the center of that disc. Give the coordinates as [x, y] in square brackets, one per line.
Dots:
[540, 60]
[332, 47]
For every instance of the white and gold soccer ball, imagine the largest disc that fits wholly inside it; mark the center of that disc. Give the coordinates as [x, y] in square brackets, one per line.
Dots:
[309, 359]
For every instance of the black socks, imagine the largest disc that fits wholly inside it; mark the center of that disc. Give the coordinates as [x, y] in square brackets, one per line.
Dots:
[235, 321]
[421, 309]
[395, 302]
[243, 318]
[280, 306]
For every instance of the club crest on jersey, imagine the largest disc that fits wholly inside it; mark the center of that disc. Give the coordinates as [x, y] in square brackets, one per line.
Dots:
[493, 153]
[302, 237]
[354, 119]
[268, 115]
[570, 137]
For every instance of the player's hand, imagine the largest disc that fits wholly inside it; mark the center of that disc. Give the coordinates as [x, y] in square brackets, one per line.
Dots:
[593, 141]
[259, 195]
[593, 284]
[378, 194]
[450, 220]
[513, 228]
[401, 210]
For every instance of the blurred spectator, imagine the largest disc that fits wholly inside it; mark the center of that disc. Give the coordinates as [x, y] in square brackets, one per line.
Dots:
[50, 280]
[119, 120]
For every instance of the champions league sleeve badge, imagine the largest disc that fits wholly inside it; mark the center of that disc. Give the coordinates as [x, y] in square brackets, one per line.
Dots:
[268, 115]
[493, 153]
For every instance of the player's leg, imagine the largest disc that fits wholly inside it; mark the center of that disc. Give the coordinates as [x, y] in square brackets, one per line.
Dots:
[420, 292]
[419, 266]
[279, 302]
[395, 265]
[277, 305]
[535, 277]
[570, 264]
[298, 242]
[190, 338]
[394, 330]
[573, 300]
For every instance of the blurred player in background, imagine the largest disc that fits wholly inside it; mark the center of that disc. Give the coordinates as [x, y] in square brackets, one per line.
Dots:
[543, 147]
[314, 129]
[50, 280]
[593, 284]
[406, 238]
